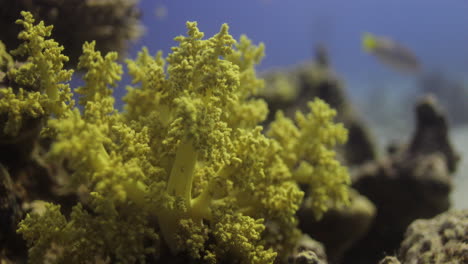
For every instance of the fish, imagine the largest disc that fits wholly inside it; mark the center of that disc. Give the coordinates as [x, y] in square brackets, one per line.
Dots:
[161, 12]
[391, 53]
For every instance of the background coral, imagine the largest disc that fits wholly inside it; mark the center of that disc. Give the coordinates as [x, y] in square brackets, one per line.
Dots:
[111, 23]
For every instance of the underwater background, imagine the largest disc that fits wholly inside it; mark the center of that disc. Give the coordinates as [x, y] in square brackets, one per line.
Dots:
[201, 165]
[436, 31]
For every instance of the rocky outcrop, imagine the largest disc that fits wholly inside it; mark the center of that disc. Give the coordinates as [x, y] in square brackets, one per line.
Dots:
[411, 183]
[442, 239]
[308, 251]
[341, 227]
[112, 24]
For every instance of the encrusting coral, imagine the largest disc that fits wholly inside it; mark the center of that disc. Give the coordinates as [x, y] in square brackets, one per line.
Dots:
[442, 239]
[185, 171]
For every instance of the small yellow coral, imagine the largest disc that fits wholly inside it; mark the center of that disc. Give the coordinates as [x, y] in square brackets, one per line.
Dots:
[309, 153]
[101, 72]
[41, 78]
[19, 105]
[45, 61]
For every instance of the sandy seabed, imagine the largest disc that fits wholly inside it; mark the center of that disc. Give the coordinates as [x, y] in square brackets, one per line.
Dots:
[460, 181]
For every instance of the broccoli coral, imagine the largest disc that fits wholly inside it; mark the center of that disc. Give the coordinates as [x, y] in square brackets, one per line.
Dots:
[185, 166]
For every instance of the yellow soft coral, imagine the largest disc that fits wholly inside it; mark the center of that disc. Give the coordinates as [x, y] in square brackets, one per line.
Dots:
[310, 155]
[186, 163]
[39, 84]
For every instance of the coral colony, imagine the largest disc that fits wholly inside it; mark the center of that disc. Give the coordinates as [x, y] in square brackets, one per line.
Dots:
[185, 171]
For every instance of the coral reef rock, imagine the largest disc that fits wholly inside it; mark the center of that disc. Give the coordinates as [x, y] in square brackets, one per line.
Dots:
[341, 226]
[411, 183]
[451, 94]
[112, 23]
[390, 260]
[308, 251]
[442, 239]
[10, 215]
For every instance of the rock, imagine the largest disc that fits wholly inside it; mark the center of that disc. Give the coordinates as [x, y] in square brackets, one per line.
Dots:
[308, 251]
[443, 239]
[340, 227]
[431, 133]
[450, 92]
[111, 23]
[390, 260]
[11, 244]
[414, 182]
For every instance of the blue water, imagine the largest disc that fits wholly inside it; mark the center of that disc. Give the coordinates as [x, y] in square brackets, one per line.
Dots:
[436, 30]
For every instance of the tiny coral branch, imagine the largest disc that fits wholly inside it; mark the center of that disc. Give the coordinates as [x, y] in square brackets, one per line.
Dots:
[45, 58]
[101, 72]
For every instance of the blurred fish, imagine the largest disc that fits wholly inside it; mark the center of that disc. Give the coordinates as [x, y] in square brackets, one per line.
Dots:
[161, 12]
[391, 53]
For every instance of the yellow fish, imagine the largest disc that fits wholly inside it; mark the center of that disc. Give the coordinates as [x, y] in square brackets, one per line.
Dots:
[391, 53]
